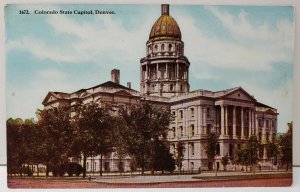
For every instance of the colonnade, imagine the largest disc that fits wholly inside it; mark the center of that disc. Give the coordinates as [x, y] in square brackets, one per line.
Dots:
[237, 121]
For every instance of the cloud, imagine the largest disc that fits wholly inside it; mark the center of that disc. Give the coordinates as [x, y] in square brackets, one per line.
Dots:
[39, 49]
[280, 98]
[52, 74]
[251, 47]
[95, 41]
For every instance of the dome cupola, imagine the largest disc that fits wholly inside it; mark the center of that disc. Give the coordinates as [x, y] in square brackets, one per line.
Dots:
[165, 27]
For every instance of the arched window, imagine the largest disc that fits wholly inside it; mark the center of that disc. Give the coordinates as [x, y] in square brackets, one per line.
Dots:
[162, 47]
[170, 47]
[155, 47]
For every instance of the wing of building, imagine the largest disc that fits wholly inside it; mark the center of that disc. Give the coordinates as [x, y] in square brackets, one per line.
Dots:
[164, 75]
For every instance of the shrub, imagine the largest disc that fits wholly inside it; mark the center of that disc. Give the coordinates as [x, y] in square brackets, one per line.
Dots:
[74, 168]
[27, 171]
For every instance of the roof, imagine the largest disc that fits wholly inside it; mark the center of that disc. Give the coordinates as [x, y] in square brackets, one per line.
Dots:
[258, 104]
[106, 84]
[165, 27]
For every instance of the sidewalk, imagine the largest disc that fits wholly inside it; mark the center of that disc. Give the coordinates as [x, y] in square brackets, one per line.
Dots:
[167, 178]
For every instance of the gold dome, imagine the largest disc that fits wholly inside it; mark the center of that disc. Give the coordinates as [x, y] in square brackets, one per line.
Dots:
[165, 27]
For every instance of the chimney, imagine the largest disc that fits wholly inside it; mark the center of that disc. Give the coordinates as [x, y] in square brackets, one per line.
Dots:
[115, 76]
[165, 9]
[129, 85]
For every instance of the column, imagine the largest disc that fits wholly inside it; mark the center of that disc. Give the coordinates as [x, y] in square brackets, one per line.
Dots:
[167, 72]
[250, 123]
[265, 156]
[253, 122]
[185, 119]
[242, 123]
[177, 70]
[146, 74]
[226, 121]
[234, 122]
[264, 131]
[157, 76]
[204, 119]
[222, 120]
[256, 125]
[199, 120]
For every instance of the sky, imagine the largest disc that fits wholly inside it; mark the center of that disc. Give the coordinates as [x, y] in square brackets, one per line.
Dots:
[227, 46]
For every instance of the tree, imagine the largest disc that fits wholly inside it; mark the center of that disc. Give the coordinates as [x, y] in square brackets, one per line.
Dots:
[179, 155]
[234, 158]
[163, 159]
[273, 150]
[138, 127]
[248, 155]
[285, 147]
[15, 157]
[225, 161]
[211, 147]
[92, 133]
[57, 135]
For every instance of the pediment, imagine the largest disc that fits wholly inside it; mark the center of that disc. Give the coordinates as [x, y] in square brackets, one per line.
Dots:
[270, 111]
[123, 93]
[49, 98]
[239, 94]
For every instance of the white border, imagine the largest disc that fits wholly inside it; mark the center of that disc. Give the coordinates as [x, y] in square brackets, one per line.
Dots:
[295, 3]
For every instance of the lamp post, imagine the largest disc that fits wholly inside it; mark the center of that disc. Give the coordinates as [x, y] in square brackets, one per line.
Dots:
[152, 156]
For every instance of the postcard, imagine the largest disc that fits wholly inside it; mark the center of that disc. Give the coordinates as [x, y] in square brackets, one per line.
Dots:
[156, 95]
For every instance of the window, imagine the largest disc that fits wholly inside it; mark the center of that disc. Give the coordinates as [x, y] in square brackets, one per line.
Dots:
[267, 123]
[163, 47]
[171, 87]
[174, 132]
[181, 131]
[173, 113]
[192, 130]
[273, 137]
[192, 112]
[208, 113]
[231, 150]
[155, 47]
[192, 165]
[259, 136]
[268, 137]
[259, 123]
[181, 88]
[87, 165]
[153, 87]
[217, 149]
[192, 149]
[95, 165]
[173, 149]
[208, 127]
[181, 114]
[106, 166]
[170, 47]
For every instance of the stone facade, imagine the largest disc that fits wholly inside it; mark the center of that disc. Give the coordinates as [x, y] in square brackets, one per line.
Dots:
[164, 74]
